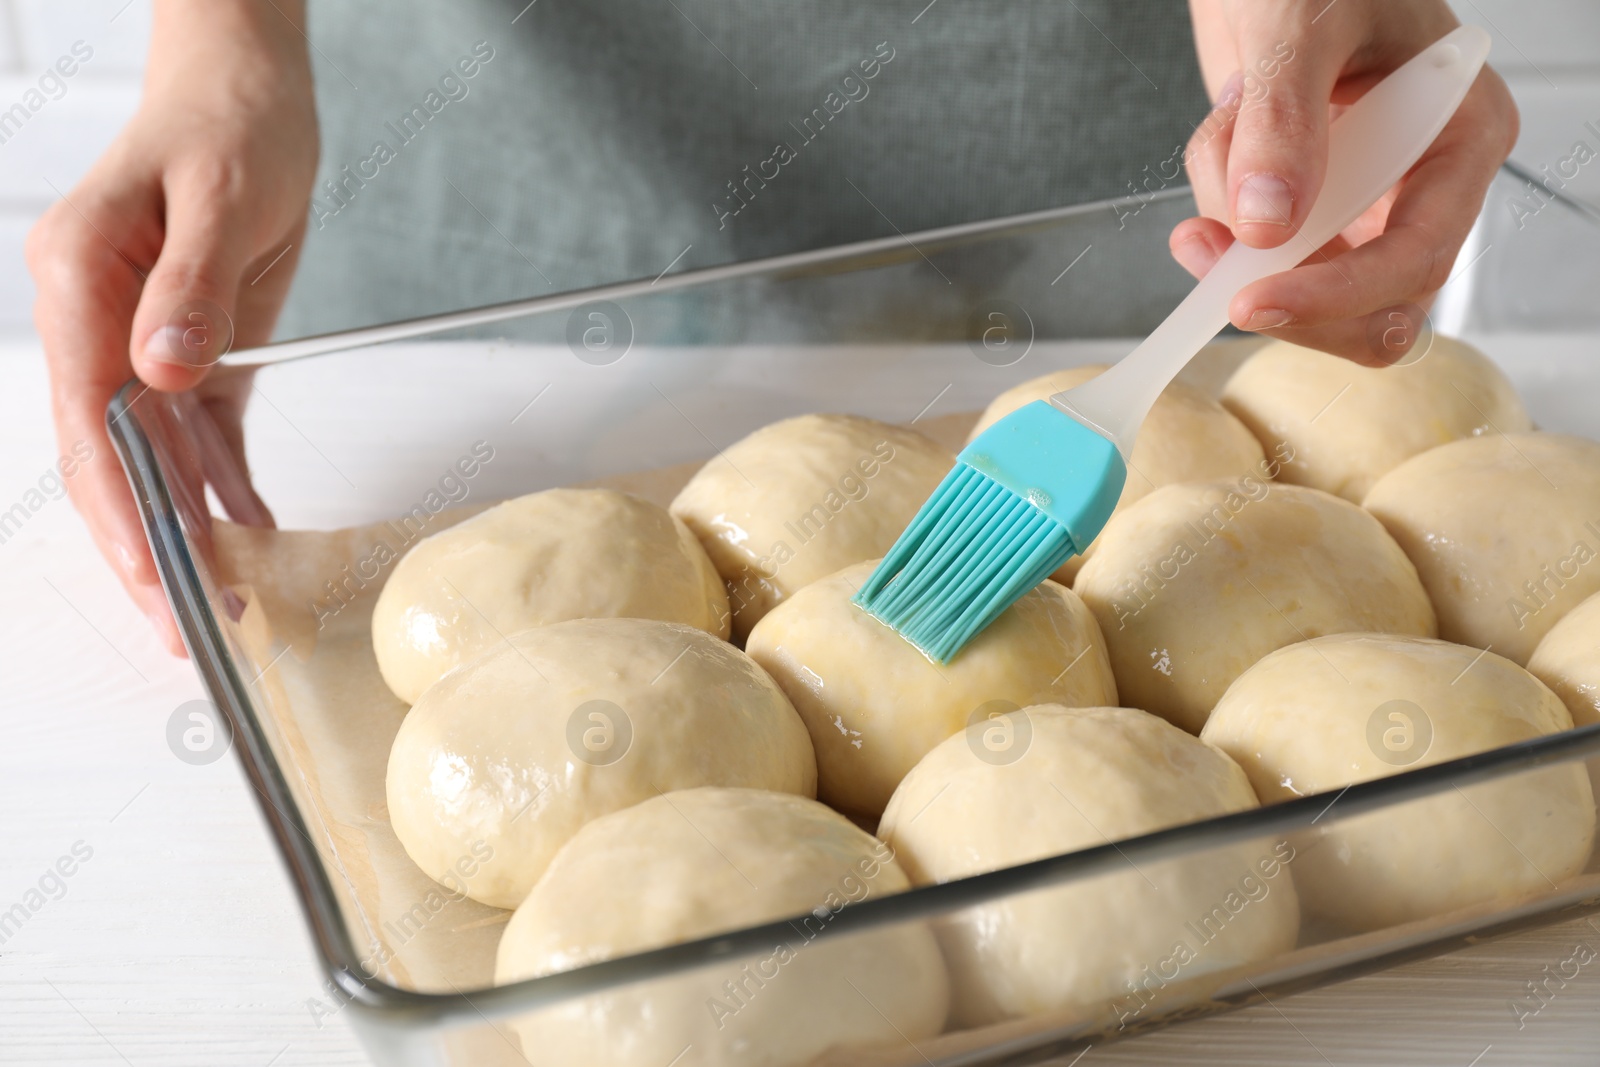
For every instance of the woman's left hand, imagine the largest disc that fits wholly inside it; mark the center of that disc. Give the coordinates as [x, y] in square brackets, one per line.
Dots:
[1279, 71]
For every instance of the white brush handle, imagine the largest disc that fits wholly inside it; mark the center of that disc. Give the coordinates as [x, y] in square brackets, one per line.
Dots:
[1370, 147]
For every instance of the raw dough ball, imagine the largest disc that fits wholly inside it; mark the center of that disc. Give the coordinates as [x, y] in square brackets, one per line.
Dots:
[1568, 661]
[1504, 530]
[1088, 776]
[547, 557]
[1194, 583]
[1187, 437]
[1340, 426]
[875, 705]
[713, 860]
[1315, 717]
[517, 750]
[799, 499]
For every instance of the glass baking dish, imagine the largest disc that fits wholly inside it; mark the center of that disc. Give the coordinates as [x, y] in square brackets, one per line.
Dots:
[653, 373]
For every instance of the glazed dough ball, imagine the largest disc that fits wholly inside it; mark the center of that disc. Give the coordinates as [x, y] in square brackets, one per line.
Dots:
[714, 860]
[1340, 426]
[1187, 437]
[546, 557]
[1195, 583]
[875, 705]
[517, 750]
[799, 499]
[1504, 530]
[1568, 661]
[1086, 777]
[1315, 717]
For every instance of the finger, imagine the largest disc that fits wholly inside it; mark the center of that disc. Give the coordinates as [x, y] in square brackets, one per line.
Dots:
[101, 494]
[1279, 149]
[1426, 226]
[89, 256]
[226, 393]
[152, 600]
[1381, 339]
[185, 318]
[88, 286]
[1206, 155]
[1345, 338]
[1198, 243]
[222, 403]
[219, 446]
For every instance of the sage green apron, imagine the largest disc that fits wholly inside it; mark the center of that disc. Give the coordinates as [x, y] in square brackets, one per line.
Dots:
[486, 150]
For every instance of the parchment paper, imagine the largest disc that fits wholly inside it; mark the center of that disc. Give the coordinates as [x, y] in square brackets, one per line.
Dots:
[307, 622]
[305, 629]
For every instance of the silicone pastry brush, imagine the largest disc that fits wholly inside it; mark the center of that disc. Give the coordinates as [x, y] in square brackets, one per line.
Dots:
[1039, 485]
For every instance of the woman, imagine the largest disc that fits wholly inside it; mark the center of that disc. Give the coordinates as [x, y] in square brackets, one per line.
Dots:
[544, 146]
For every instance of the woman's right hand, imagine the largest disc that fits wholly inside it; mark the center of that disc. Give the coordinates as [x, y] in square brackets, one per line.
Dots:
[178, 244]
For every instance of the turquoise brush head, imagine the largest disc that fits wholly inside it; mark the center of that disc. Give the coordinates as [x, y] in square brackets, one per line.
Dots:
[1028, 492]
[1040, 484]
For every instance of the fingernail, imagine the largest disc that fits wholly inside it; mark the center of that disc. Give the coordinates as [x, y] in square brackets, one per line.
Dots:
[1268, 319]
[1194, 254]
[1264, 198]
[166, 346]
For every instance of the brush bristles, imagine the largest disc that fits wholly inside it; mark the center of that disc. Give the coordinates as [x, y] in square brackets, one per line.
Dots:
[973, 549]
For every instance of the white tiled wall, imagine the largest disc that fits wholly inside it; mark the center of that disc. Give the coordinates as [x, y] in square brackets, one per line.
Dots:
[1538, 37]
[62, 138]
[1549, 52]
[1548, 49]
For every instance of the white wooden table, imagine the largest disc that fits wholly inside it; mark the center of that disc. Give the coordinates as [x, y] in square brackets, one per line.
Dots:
[178, 942]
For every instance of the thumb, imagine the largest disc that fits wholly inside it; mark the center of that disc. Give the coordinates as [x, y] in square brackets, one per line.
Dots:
[184, 321]
[1279, 152]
